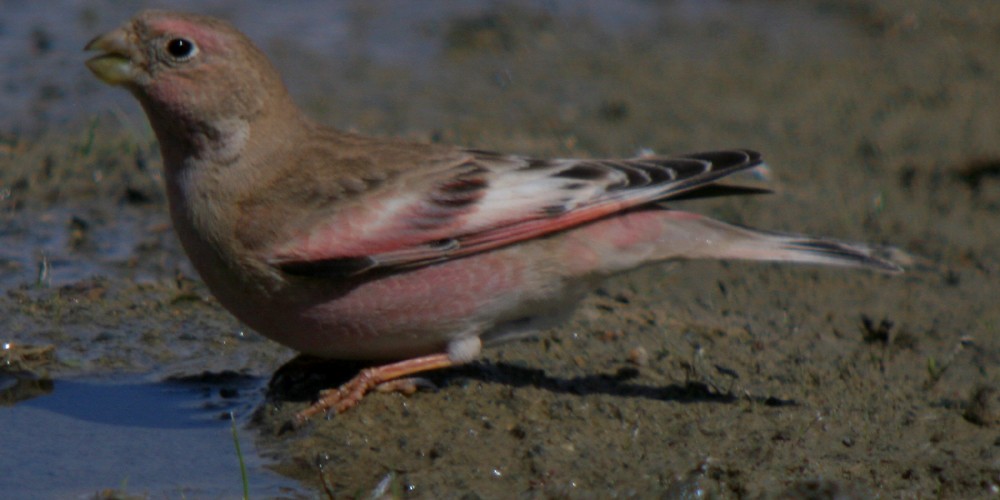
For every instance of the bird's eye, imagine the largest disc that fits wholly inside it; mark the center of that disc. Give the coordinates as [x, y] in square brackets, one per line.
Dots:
[181, 49]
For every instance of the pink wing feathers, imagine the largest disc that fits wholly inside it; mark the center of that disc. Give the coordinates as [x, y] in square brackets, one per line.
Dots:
[489, 201]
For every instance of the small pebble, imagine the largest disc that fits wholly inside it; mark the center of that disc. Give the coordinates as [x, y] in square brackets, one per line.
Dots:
[638, 356]
[983, 408]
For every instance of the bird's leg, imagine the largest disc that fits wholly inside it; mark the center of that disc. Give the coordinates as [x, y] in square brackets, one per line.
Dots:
[349, 394]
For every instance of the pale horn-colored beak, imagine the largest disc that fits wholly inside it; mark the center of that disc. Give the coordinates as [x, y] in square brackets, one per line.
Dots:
[114, 66]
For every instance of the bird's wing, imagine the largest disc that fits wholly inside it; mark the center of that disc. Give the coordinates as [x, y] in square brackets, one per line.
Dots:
[487, 200]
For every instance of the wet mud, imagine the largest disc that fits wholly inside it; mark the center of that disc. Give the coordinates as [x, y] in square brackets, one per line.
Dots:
[880, 122]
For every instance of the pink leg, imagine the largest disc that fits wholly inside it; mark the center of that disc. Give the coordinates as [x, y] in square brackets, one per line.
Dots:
[349, 394]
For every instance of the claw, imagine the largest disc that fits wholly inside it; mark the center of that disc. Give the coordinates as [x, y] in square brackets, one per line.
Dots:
[382, 378]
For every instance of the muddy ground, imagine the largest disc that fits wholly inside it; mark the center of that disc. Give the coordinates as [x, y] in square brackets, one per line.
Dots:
[880, 122]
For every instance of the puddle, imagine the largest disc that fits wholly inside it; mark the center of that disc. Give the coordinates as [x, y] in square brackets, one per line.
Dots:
[61, 245]
[73, 437]
[171, 439]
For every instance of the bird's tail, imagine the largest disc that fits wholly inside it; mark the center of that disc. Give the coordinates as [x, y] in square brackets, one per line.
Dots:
[712, 239]
[657, 235]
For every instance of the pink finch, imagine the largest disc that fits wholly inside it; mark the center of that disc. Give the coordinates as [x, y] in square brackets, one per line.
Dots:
[351, 247]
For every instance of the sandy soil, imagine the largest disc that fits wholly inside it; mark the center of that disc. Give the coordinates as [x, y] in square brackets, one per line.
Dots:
[880, 122]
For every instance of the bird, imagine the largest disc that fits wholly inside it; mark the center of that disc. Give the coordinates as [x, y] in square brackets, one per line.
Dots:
[411, 255]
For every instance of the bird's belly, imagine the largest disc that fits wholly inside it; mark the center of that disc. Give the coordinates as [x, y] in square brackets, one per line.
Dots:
[408, 314]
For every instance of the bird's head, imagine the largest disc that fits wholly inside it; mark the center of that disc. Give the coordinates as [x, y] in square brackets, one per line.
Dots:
[190, 72]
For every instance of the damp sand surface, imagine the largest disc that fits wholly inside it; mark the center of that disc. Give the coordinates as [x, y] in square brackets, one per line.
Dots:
[879, 123]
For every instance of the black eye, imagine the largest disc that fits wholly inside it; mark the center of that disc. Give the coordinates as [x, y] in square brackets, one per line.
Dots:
[180, 48]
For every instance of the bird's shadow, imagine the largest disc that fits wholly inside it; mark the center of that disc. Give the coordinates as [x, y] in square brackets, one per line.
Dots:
[302, 378]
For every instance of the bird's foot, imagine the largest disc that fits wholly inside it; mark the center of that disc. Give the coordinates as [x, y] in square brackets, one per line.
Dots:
[385, 378]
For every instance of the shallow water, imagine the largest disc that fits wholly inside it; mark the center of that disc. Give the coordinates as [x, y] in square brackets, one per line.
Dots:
[156, 439]
[61, 245]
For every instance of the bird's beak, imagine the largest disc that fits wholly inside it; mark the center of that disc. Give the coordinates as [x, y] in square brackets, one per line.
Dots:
[114, 65]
